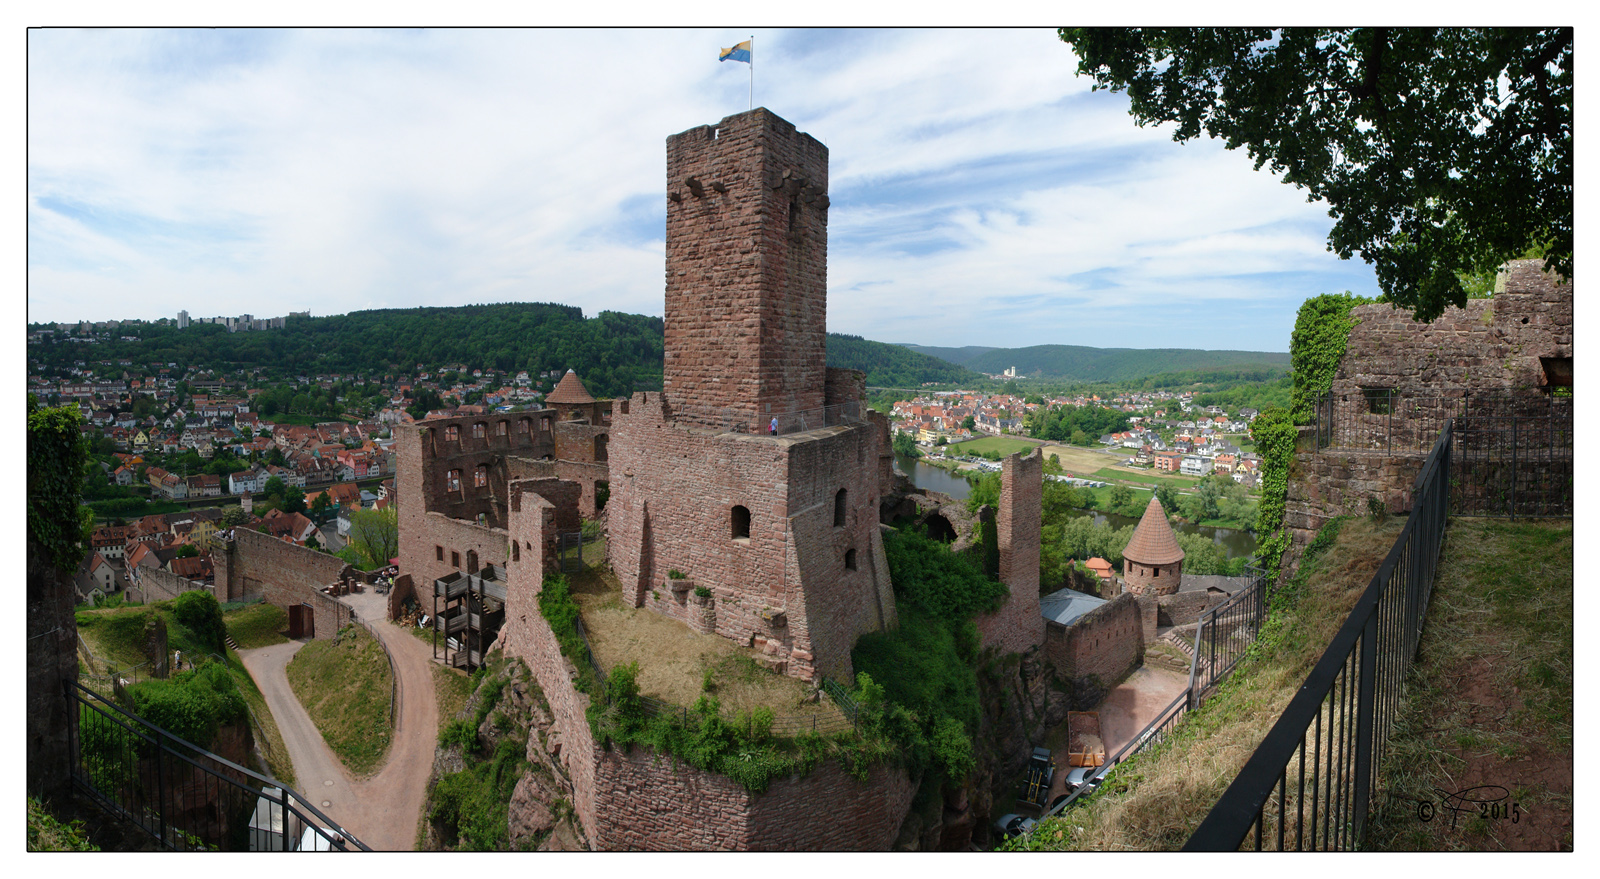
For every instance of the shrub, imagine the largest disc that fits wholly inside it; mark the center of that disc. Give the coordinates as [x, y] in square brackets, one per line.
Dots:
[946, 585]
[702, 592]
[192, 704]
[199, 612]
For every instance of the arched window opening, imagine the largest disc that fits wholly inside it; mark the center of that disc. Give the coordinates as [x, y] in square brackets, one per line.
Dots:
[472, 561]
[849, 560]
[452, 433]
[741, 523]
[516, 551]
[480, 476]
[839, 507]
[478, 429]
[453, 480]
[599, 449]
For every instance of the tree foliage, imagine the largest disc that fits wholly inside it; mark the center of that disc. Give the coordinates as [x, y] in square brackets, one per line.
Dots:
[375, 534]
[56, 457]
[1439, 151]
[199, 612]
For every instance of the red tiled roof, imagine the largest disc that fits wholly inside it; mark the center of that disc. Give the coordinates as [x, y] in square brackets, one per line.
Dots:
[570, 390]
[1153, 542]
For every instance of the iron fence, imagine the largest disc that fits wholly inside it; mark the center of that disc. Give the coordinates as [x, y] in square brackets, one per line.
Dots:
[1389, 420]
[1224, 634]
[737, 420]
[1336, 728]
[1513, 458]
[782, 725]
[183, 796]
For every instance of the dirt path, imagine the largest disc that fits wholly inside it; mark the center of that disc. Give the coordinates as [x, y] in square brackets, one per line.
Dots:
[381, 811]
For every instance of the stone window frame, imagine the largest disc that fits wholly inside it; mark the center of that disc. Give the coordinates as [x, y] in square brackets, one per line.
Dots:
[739, 523]
[1378, 400]
[452, 480]
[850, 559]
[438, 553]
[480, 429]
[480, 476]
[841, 507]
[500, 428]
[524, 426]
[455, 559]
[452, 433]
[516, 551]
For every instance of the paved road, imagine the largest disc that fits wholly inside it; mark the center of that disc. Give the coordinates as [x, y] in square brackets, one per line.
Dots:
[382, 810]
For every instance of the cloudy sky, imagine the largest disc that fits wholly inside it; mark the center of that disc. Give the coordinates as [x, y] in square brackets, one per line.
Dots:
[981, 194]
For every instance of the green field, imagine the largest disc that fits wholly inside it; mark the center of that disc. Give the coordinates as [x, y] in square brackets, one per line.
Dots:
[1003, 445]
[1147, 477]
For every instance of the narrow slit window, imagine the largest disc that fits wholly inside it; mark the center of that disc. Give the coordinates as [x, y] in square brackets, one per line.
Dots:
[741, 523]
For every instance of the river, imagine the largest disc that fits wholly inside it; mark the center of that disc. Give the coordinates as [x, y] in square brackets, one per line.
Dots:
[1237, 543]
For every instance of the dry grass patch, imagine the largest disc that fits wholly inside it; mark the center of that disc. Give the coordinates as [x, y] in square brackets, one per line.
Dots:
[677, 664]
[1079, 461]
[1489, 700]
[1156, 800]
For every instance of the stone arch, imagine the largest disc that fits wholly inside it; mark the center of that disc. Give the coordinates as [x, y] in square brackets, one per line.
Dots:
[939, 528]
[739, 522]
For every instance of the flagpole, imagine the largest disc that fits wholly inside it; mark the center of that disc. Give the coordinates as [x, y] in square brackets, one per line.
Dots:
[752, 71]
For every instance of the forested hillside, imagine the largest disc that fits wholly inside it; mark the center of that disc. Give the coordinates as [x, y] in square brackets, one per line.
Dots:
[893, 366]
[616, 354]
[1121, 365]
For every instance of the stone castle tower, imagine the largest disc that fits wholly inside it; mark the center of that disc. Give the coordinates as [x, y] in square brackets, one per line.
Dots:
[747, 268]
[766, 536]
[1153, 562]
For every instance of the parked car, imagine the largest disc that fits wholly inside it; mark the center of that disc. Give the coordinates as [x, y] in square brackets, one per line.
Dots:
[1012, 824]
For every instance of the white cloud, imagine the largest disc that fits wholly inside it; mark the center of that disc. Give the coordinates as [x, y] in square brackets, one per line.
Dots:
[268, 171]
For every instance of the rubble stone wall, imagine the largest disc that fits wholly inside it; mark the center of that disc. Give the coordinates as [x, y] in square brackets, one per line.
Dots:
[1018, 625]
[1100, 648]
[258, 564]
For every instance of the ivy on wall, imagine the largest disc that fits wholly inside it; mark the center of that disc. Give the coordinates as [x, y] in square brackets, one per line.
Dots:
[1321, 331]
[56, 456]
[1273, 432]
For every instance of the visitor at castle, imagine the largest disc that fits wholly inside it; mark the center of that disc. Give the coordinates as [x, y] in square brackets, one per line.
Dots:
[774, 427]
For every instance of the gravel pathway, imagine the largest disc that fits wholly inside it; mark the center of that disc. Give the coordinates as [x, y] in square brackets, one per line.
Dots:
[382, 810]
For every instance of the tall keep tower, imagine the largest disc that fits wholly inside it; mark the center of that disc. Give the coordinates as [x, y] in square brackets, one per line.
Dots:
[768, 537]
[747, 260]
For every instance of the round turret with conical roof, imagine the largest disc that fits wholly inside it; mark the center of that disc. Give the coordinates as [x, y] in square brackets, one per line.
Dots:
[1153, 562]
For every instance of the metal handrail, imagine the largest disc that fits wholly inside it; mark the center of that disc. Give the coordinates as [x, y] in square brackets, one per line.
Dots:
[127, 804]
[1372, 651]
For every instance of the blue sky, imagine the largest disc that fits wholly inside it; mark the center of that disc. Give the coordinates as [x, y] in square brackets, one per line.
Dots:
[981, 194]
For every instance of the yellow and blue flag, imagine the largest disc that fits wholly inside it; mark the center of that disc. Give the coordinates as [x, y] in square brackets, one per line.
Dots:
[740, 52]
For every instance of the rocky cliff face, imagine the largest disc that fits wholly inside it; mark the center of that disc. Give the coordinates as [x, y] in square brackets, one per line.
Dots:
[539, 815]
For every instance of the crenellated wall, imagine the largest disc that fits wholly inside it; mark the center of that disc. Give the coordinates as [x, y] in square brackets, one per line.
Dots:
[806, 578]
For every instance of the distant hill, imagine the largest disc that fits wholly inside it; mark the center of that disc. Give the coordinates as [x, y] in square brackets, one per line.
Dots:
[1081, 363]
[615, 354]
[893, 366]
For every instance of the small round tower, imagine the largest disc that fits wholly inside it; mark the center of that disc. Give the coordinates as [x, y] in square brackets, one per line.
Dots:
[1153, 562]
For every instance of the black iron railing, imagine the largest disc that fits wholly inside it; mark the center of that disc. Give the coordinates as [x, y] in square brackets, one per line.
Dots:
[1224, 634]
[1309, 784]
[183, 796]
[1514, 459]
